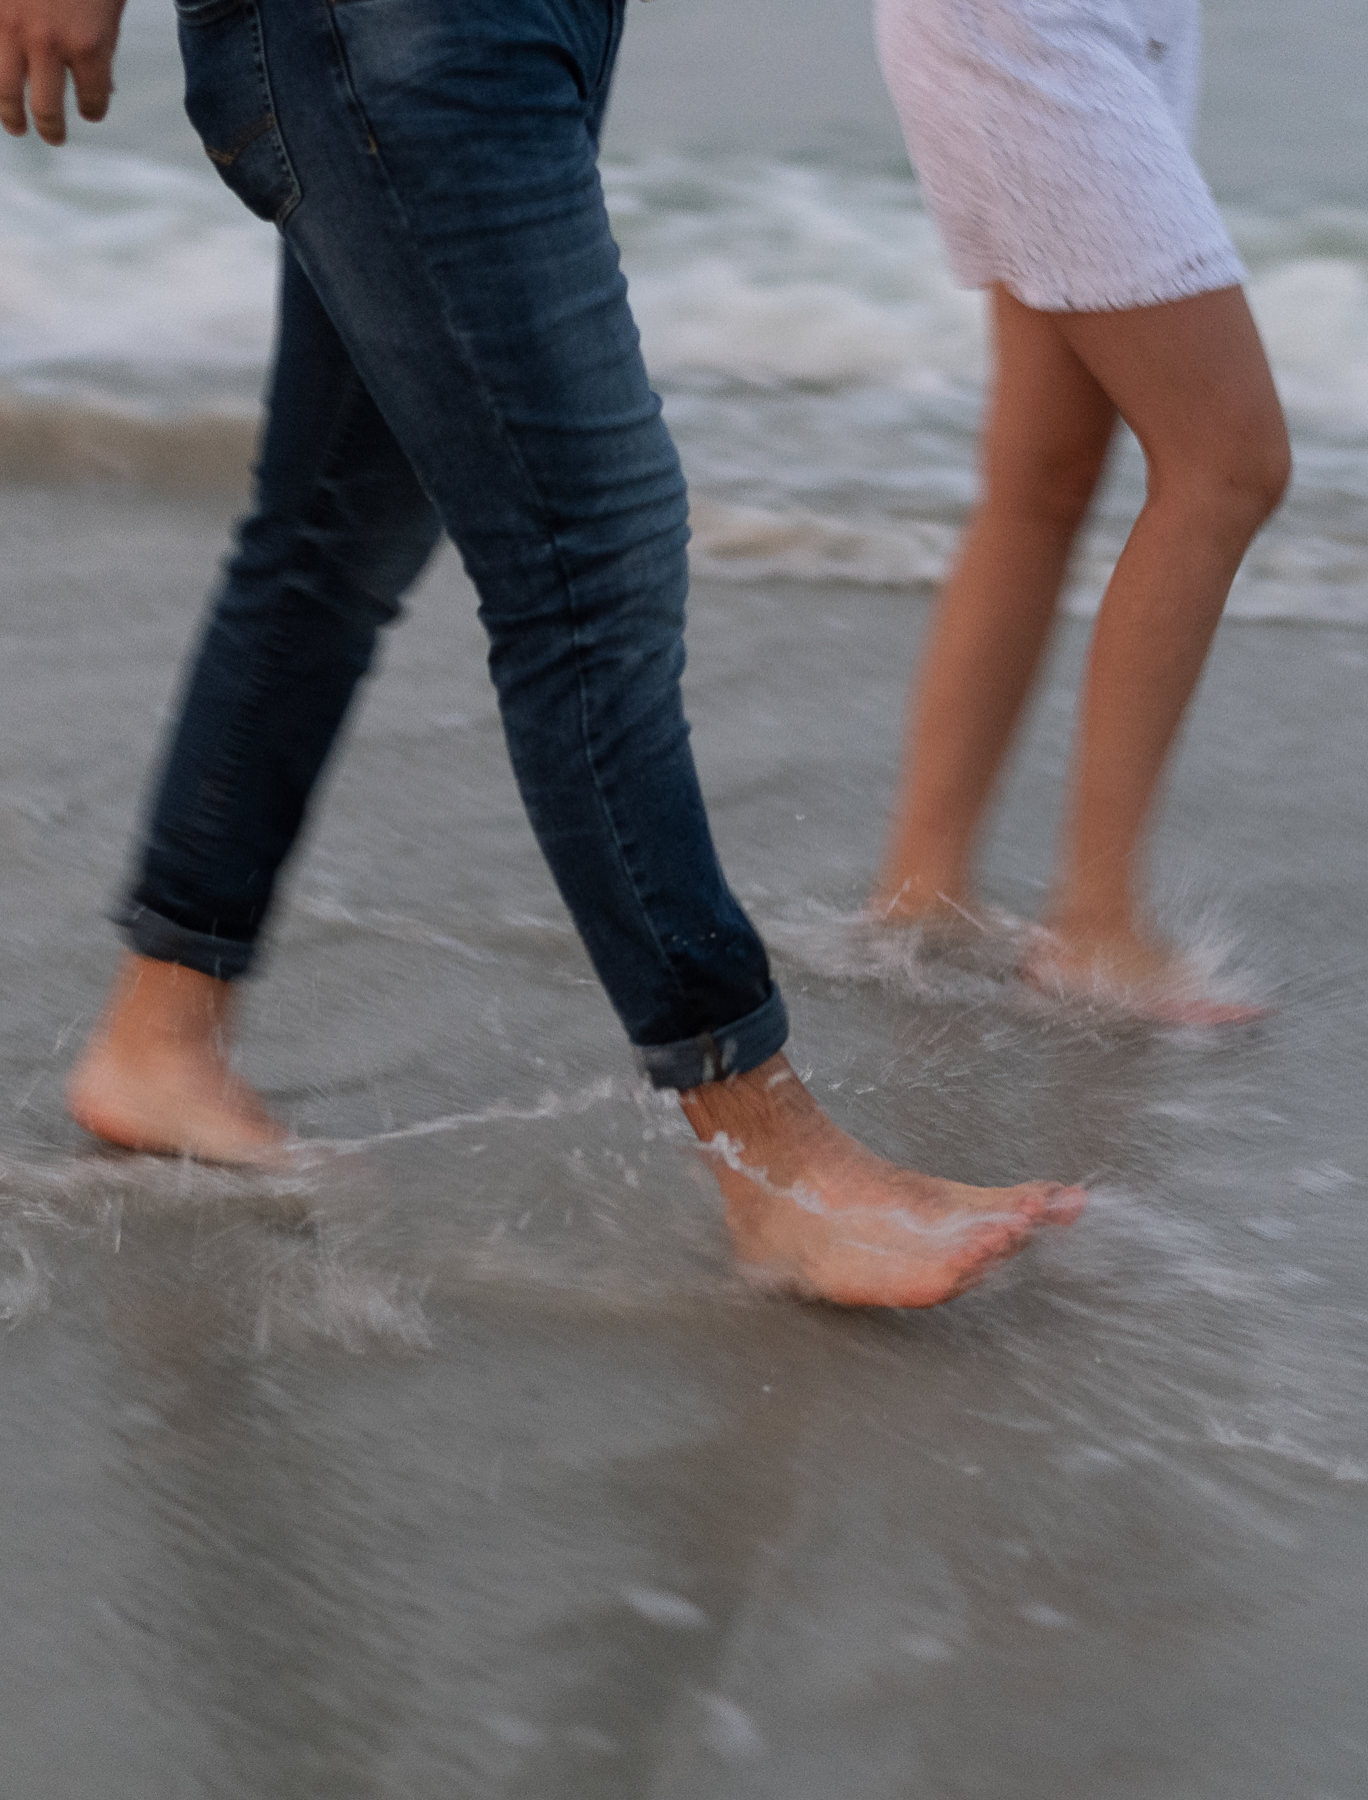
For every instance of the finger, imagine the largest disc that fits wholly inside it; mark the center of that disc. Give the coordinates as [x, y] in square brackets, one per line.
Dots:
[12, 69]
[92, 77]
[47, 96]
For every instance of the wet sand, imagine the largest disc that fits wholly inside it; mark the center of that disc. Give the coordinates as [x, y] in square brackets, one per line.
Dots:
[461, 1464]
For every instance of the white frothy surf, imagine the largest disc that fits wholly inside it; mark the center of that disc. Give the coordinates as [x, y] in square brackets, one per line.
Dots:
[130, 282]
[821, 370]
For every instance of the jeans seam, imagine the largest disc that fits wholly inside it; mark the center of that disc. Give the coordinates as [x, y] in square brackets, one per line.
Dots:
[227, 759]
[591, 760]
[268, 124]
[353, 99]
[296, 193]
[533, 494]
[471, 362]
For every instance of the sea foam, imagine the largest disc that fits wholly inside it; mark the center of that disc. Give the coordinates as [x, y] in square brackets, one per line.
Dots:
[823, 374]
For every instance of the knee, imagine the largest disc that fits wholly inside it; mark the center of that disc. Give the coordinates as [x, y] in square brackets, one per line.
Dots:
[1237, 482]
[628, 564]
[371, 570]
[352, 569]
[1266, 472]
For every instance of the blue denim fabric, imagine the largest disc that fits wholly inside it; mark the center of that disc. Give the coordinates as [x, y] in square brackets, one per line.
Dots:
[456, 352]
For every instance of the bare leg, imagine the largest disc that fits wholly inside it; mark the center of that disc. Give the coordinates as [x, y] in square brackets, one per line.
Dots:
[155, 1074]
[1044, 446]
[812, 1211]
[1192, 382]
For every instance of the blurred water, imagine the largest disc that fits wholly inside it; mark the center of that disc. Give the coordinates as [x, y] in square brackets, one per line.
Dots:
[820, 369]
[459, 1462]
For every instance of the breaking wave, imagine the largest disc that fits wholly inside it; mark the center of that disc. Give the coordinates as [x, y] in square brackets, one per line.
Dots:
[820, 369]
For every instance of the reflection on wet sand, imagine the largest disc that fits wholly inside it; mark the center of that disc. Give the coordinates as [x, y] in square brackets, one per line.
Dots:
[457, 1459]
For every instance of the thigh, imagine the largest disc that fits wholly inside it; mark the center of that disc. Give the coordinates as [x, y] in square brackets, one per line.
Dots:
[1050, 421]
[1190, 377]
[337, 508]
[453, 222]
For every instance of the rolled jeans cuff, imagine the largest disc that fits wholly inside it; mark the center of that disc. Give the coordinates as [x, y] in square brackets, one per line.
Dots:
[149, 934]
[734, 1050]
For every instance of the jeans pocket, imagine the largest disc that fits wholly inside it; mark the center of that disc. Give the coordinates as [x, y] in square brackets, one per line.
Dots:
[617, 14]
[228, 101]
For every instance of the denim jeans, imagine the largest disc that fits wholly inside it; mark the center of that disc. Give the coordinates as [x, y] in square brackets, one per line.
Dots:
[455, 353]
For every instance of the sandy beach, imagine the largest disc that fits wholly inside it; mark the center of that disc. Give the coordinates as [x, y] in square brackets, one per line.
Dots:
[461, 1462]
[458, 1461]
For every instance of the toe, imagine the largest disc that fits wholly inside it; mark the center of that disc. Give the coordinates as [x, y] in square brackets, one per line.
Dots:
[1063, 1205]
[1046, 1203]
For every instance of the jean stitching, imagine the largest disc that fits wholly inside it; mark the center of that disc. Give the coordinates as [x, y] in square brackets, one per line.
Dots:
[460, 338]
[349, 90]
[611, 45]
[586, 739]
[221, 774]
[266, 124]
[294, 192]
[278, 144]
[533, 493]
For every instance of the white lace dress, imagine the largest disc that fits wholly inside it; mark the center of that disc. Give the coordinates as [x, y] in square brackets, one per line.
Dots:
[1051, 137]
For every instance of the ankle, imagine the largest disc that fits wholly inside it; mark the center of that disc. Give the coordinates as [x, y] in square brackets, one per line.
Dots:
[765, 1104]
[1122, 943]
[158, 1009]
[1094, 911]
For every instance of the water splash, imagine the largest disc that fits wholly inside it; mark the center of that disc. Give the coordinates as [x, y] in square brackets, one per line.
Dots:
[25, 1283]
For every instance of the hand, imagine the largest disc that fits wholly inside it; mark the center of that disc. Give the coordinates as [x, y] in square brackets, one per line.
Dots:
[39, 41]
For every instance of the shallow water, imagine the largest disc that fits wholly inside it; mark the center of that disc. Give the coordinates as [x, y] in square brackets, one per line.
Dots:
[820, 370]
[460, 1461]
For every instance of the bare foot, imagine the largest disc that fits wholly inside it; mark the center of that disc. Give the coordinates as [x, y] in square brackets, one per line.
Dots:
[812, 1211]
[155, 1076]
[1124, 972]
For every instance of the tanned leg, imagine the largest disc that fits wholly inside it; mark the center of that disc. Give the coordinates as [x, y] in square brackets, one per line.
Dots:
[1192, 381]
[155, 1075]
[813, 1212]
[1044, 446]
